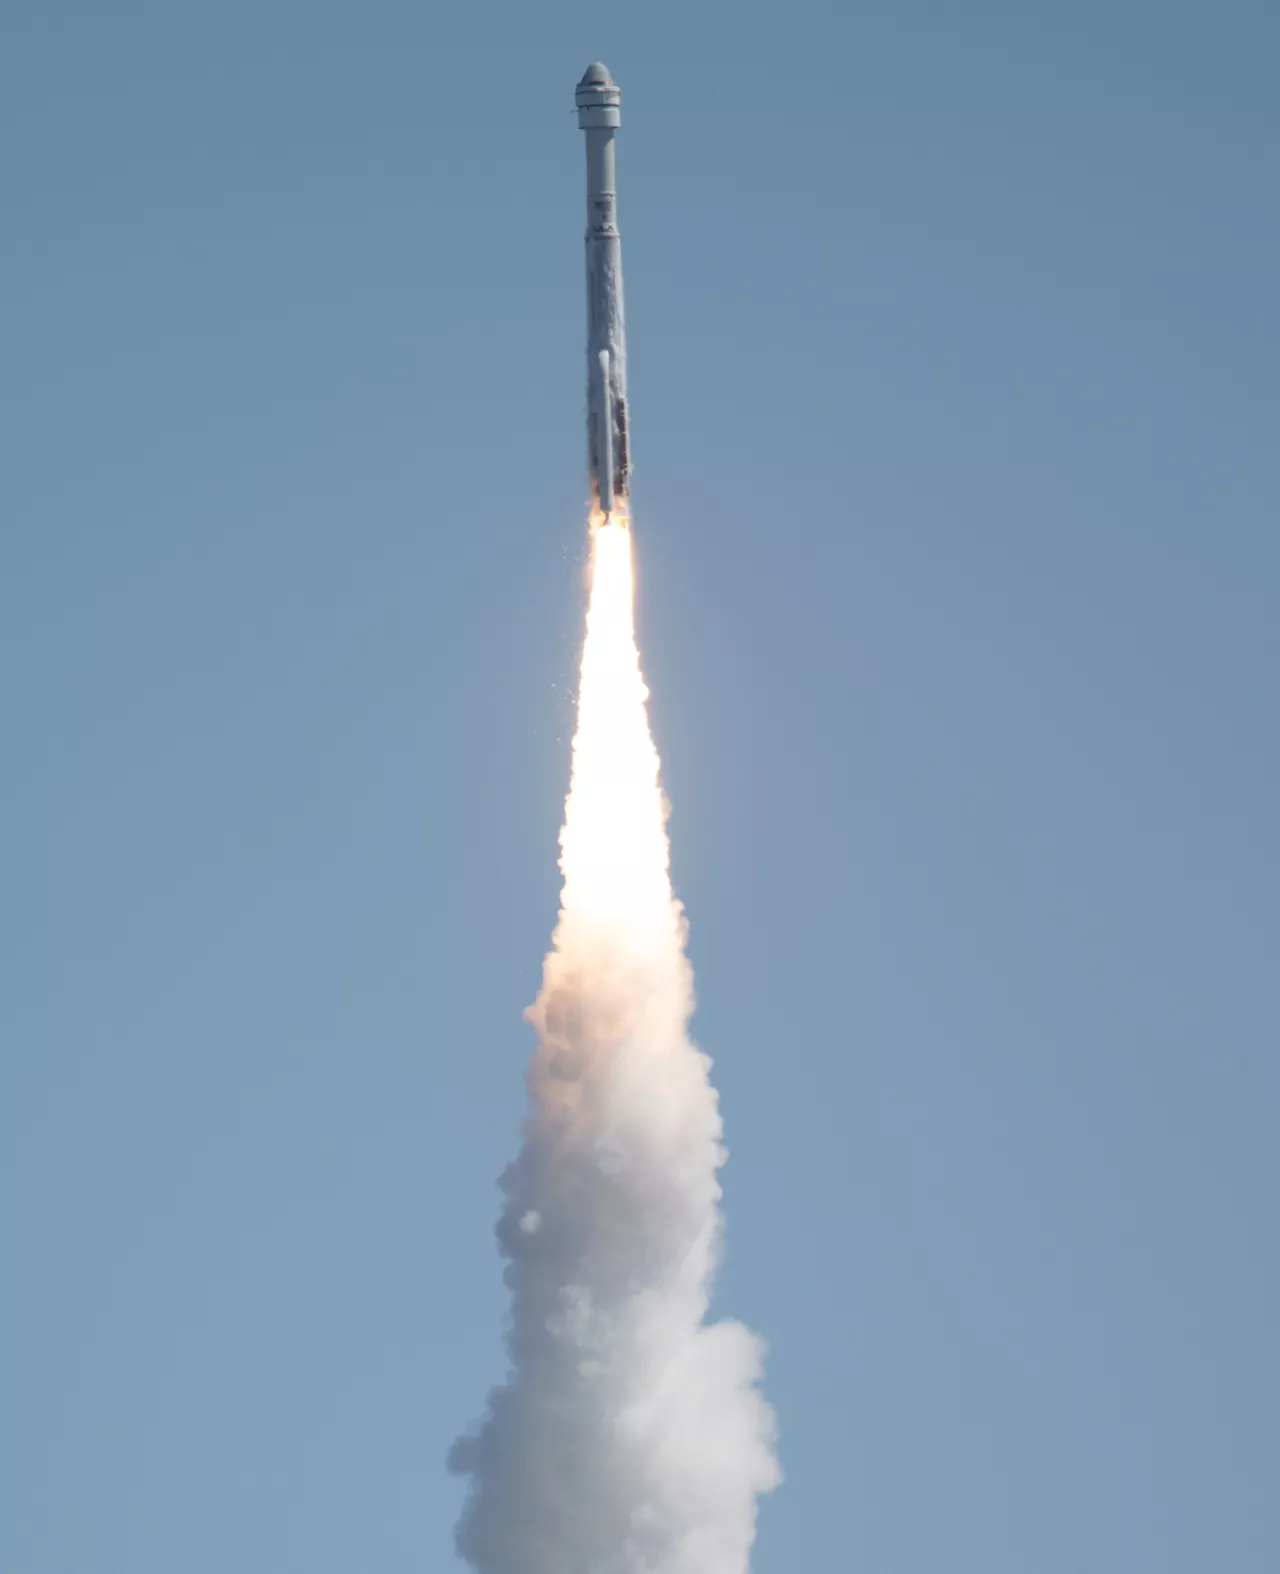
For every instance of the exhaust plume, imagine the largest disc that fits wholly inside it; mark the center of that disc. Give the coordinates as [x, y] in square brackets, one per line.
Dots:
[630, 1436]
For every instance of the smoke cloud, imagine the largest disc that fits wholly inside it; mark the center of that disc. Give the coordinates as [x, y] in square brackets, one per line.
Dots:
[630, 1436]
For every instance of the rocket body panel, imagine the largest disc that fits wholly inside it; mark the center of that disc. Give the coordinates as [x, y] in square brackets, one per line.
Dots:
[608, 457]
[603, 434]
[606, 363]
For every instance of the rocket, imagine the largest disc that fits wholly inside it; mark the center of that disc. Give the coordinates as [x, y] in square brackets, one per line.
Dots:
[599, 115]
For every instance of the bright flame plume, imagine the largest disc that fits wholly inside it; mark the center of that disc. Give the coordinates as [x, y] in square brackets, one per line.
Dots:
[630, 1436]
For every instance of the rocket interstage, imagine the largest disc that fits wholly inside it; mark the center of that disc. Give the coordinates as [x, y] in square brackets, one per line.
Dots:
[599, 115]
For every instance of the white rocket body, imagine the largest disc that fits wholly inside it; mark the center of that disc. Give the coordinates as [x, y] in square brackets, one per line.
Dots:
[599, 115]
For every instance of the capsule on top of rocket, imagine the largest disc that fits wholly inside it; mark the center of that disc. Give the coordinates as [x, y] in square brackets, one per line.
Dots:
[598, 100]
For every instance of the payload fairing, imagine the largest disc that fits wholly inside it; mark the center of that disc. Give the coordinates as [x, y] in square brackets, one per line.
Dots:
[599, 115]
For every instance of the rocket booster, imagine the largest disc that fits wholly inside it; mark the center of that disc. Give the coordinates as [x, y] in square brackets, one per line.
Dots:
[599, 115]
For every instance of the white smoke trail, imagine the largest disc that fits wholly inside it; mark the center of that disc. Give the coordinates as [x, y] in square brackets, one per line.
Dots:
[630, 1437]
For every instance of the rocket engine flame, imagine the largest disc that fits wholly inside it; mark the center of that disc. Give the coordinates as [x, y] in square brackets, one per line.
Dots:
[630, 1436]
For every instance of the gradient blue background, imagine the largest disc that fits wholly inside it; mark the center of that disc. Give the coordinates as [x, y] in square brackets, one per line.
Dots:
[954, 344]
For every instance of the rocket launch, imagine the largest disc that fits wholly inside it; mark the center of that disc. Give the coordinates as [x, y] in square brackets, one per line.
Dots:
[599, 115]
[629, 1435]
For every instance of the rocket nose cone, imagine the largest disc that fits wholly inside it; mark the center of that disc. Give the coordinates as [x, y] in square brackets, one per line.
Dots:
[598, 99]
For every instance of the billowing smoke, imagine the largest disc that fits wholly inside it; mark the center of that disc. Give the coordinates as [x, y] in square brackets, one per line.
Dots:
[630, 1437]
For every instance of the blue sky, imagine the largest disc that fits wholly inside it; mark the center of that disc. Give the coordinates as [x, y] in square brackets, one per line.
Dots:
[953, 337]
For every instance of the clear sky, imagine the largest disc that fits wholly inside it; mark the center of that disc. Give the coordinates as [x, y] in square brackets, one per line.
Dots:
[954, 336]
